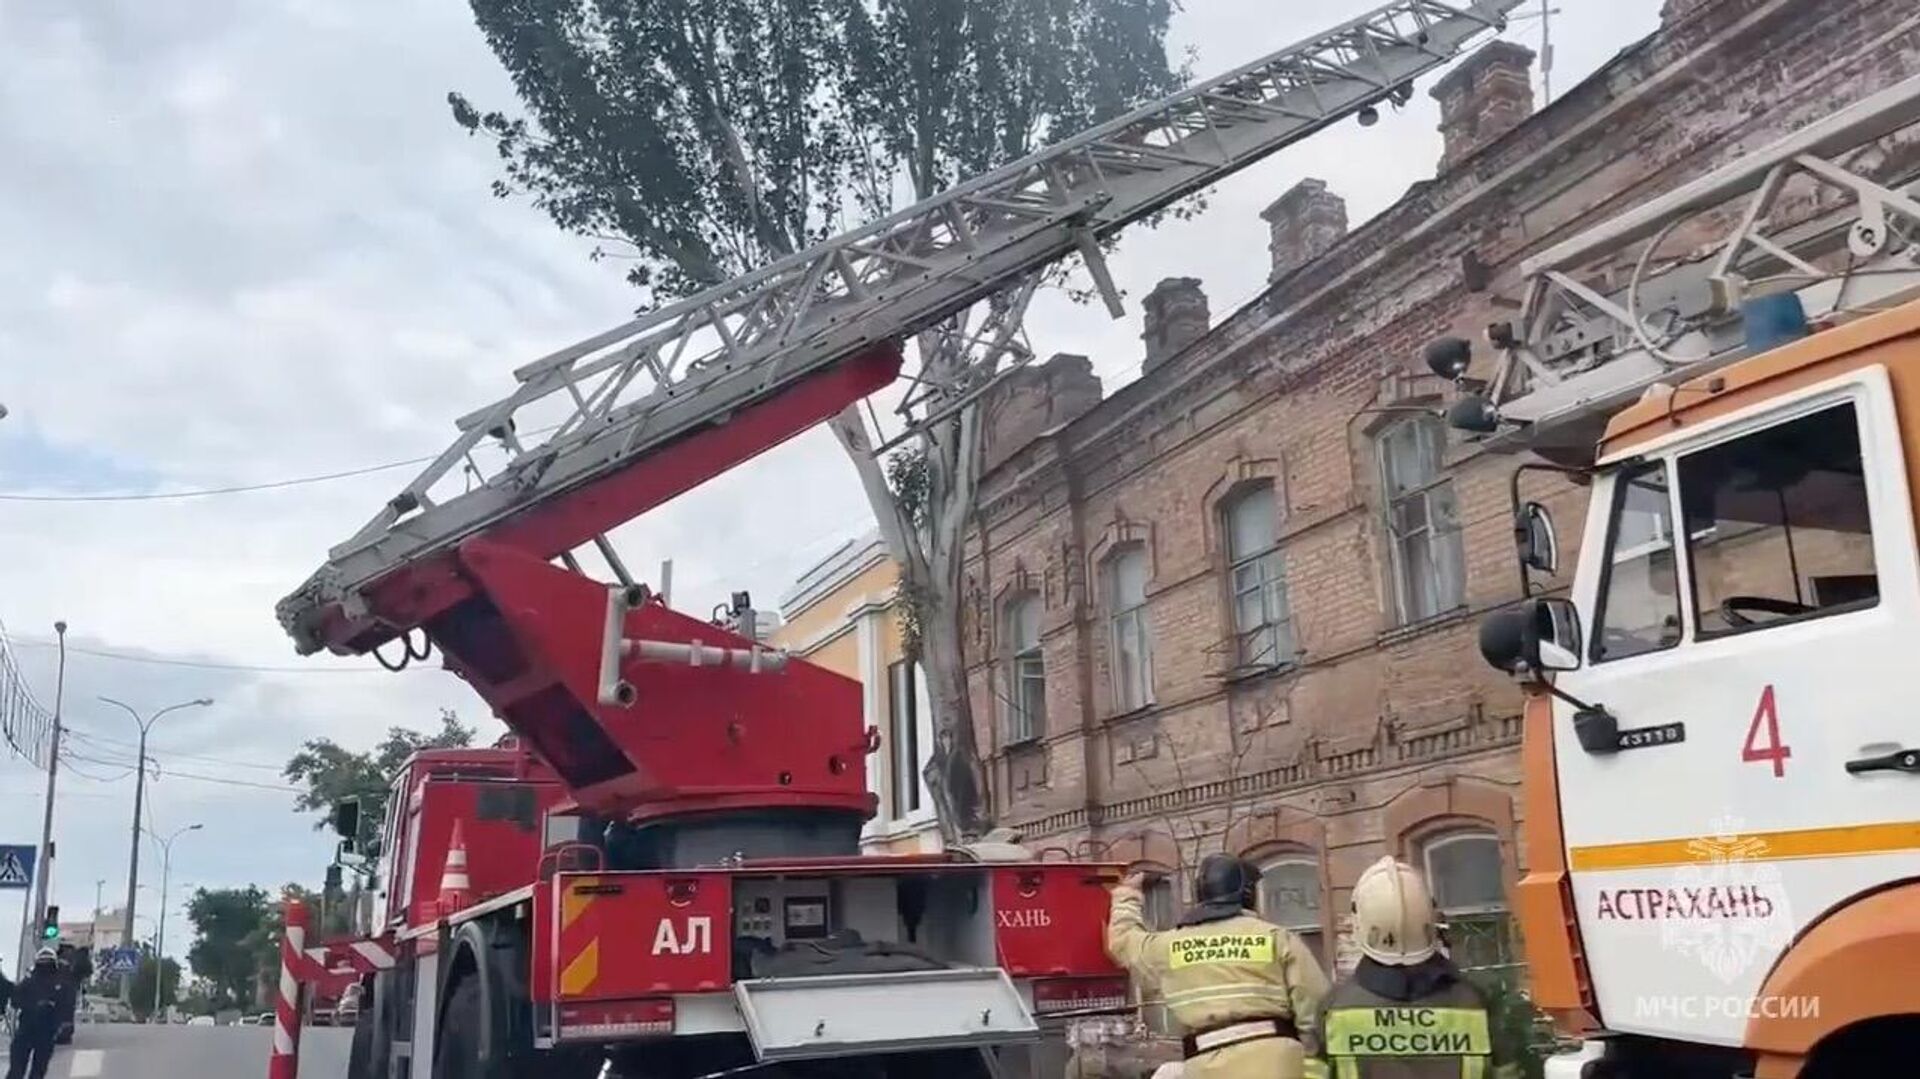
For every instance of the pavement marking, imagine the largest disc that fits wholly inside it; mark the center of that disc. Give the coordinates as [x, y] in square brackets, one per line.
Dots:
[85, 1063]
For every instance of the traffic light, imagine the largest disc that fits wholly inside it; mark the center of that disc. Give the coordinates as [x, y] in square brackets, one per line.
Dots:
[50, 925]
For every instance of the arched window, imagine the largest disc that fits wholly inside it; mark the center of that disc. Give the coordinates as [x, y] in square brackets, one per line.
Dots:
[1290, 897]
[1026, 702]
[1423, 520]
[1131, 659]
[1468, 878]
[1257, 579]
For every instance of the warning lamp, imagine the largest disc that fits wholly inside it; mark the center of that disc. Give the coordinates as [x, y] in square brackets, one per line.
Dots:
[50, 925]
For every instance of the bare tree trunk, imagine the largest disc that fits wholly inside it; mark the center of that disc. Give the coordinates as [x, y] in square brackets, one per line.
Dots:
[929, 562]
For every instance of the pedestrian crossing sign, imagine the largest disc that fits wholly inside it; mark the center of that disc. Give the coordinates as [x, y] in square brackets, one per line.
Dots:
[16, 867]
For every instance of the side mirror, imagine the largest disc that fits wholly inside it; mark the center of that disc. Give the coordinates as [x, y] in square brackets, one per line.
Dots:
[1539, 635]
[346, 819]
[1554, 639]
[1539, 544]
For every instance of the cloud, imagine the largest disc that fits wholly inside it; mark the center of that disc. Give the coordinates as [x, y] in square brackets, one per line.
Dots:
[242, 240]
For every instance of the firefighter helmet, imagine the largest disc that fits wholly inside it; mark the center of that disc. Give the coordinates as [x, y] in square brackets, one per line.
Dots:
[1224, 887]
[1393, 914]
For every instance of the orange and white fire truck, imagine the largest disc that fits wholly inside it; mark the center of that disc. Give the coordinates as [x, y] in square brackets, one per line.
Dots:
[1722, 782]
[664, 871]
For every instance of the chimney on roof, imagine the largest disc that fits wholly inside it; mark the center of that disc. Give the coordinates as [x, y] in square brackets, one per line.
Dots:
[1176, 316]
[1302, 224]
[1484, 98]
[1029, 401]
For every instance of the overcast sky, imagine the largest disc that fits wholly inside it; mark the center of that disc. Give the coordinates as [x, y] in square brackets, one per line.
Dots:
[241, 241]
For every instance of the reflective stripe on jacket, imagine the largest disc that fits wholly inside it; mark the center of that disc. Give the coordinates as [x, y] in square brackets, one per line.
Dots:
[1444, 1035]
[1219, 972]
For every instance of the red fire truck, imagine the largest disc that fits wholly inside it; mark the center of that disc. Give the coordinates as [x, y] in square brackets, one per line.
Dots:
[664, 871]
[514, 947]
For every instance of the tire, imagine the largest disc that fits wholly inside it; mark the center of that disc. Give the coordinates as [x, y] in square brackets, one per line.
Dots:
[457, 1049]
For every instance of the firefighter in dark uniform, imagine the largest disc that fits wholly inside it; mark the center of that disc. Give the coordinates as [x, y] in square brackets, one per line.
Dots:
[1244, 990]
[38, 999]
[1406, 1012]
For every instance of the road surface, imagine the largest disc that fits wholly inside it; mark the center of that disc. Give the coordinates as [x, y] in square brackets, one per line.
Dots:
[127, 1051]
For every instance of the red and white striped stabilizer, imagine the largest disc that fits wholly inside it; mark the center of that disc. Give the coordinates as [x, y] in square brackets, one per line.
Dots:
[358, 956]
[284, 1063]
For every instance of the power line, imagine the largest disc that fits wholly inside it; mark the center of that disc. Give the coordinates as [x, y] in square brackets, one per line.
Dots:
[167, 773]
[235, 489]
[204, 492]
[121, 745]
[205, 665]
[71, 761]
[225, 782]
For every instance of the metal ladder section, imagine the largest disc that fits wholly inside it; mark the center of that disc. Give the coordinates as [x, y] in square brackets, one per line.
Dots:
[1581, 350]
[647, 381]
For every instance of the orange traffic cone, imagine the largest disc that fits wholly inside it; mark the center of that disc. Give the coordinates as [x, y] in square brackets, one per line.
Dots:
[456, 891]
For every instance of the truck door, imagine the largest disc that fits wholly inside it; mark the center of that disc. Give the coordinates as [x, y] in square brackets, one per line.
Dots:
[1750, 622]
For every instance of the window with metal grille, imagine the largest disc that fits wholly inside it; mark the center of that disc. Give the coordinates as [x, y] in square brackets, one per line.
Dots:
[1131, 660]
[1290, 897]
[1026, 702]
[1423, 520]
[1468, 880]
[1257, 580]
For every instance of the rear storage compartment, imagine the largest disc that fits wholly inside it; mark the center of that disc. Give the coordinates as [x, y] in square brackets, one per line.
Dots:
[837, 958]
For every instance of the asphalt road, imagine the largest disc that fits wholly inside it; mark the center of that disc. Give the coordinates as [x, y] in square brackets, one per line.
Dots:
[128, 1051]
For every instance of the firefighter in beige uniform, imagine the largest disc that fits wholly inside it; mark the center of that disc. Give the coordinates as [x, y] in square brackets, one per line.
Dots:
[1242, 988]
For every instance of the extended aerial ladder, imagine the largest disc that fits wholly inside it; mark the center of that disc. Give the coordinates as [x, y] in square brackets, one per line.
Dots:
[632, 417]
[1610, 312]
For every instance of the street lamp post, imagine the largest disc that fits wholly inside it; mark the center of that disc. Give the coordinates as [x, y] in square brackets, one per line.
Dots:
[139, 793]
[160, 934]
[36, 912]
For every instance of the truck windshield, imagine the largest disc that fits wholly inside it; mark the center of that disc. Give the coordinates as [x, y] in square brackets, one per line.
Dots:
[1777, 524]
[1639, 609]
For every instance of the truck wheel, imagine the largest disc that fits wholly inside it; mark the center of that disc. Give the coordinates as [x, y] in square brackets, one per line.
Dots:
[456, 1053]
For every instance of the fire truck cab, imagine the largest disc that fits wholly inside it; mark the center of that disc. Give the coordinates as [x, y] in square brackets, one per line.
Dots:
[1723, 774]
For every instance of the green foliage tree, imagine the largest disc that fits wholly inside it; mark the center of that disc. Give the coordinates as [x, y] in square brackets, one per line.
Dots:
[263, 944]
[198, 999]
[142, 985]
[703, 138]
[332, 773]
[227, 925]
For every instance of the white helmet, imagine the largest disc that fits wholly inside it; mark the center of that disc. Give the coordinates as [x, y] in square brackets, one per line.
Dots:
[1393, 915]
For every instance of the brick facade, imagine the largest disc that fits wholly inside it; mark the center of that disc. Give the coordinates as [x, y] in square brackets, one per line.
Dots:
[1378, 731]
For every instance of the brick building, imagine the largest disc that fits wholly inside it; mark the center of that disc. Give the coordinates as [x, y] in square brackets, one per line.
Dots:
[1233, 604]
